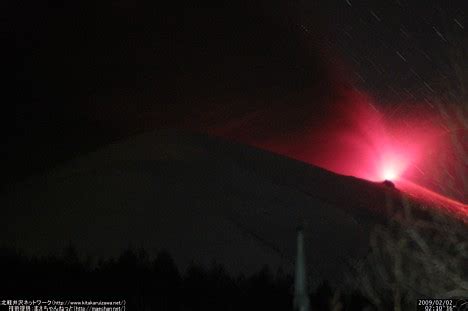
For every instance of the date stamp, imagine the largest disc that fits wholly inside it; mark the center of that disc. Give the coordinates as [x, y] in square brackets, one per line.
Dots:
[442, 304]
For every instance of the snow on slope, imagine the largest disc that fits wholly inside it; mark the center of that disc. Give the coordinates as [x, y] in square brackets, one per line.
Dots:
[201, 198]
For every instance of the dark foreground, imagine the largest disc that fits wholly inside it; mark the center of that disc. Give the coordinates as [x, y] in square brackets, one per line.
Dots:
[155, 284]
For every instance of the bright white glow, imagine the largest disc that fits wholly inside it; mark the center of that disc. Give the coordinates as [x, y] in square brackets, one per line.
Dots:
[389, 174]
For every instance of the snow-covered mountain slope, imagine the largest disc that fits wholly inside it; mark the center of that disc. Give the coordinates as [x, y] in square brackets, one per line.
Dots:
[199, 197]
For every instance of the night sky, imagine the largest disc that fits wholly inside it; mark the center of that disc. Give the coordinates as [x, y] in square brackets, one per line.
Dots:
[83, 74]
[399, 48]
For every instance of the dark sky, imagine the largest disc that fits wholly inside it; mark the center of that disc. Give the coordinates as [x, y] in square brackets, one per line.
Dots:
[81, 74]
[396, 47]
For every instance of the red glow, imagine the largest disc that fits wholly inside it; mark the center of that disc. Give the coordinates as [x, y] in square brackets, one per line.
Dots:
[362, 142]
[352, 137]
[431, 198]
[358, 140]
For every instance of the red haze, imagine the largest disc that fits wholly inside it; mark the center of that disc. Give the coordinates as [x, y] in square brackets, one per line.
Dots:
[358, 140]
[352, 137]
